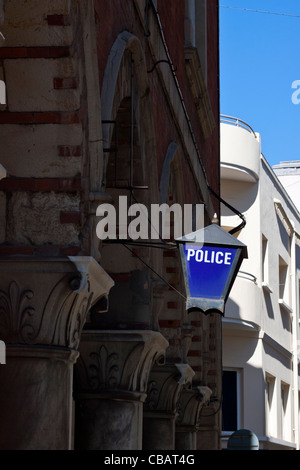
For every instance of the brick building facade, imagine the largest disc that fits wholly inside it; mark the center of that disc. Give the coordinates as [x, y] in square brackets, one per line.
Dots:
[105, 99]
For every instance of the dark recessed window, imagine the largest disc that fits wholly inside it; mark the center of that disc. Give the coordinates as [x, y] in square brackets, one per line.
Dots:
[230, 401]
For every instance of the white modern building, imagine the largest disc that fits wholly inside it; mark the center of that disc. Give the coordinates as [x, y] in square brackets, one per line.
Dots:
[288, 174]
[261, 321]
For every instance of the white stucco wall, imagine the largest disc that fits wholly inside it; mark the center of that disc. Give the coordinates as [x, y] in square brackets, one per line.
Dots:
[288, 174]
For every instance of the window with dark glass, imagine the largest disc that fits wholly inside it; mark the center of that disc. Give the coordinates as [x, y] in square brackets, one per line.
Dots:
[230, 401]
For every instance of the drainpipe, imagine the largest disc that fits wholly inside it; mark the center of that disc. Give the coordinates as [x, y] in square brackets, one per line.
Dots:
[295, 334]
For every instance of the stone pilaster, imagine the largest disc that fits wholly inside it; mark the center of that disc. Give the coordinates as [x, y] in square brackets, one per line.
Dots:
[43, 307]
[189, 408]
[165, 385]
[110, 386]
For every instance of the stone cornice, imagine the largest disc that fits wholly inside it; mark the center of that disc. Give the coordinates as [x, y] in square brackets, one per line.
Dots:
[189, 406]
[165, 385]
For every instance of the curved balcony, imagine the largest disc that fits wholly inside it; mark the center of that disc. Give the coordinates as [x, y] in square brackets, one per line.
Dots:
[243, 305]
[240, 150]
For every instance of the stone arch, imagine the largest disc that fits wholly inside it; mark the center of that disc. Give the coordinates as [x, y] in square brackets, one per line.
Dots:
[127, 52]
[126, 101]
[171, 176]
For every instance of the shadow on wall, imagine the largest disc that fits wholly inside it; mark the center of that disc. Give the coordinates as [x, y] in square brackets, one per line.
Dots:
[286, 319]
[269, 306]
[247, 195]
[285, 239]
[232, 308]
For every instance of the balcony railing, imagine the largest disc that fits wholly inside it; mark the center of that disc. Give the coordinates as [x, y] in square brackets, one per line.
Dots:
[237, 122]
[248, 276]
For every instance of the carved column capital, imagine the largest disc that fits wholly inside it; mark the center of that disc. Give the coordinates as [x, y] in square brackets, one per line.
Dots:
[117, 360]
[189, 407]
[110, 380]
[165, 385]
[43, 306]
[45, 301]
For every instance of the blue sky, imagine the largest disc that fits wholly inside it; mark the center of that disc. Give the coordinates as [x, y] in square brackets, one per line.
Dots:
[259, 61]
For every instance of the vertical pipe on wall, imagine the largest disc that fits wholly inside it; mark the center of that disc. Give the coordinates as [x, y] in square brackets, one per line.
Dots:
[295, 323]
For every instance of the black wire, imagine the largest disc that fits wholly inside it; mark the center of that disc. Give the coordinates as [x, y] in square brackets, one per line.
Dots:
[236, 211]
[159, 62]
[260, 11]
[161, 246]
[155, 272]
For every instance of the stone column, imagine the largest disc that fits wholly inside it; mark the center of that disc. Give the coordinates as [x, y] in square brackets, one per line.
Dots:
[165, 385]
[190, 404]
[43, 306]
[110, 385]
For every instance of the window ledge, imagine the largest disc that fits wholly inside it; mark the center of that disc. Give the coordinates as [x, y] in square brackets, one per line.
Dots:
[267, 288]
[285, 306]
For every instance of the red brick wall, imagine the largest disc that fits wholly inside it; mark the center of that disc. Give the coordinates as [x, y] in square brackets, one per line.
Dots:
[121, 15]
[112, 18]
[172, 20]
[211, 146]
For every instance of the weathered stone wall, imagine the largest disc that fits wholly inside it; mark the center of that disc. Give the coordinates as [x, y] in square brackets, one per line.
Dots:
[41, 128]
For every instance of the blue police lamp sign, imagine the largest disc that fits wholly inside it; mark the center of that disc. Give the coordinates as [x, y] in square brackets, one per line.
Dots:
[211, 258]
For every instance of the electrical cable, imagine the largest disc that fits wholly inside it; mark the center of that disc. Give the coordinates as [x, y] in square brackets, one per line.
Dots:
[172, 68]
[233, 209]
[155, 272]
[259, 11]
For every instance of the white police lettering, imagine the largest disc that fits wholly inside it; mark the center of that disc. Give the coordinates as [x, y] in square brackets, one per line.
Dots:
[205, 256]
